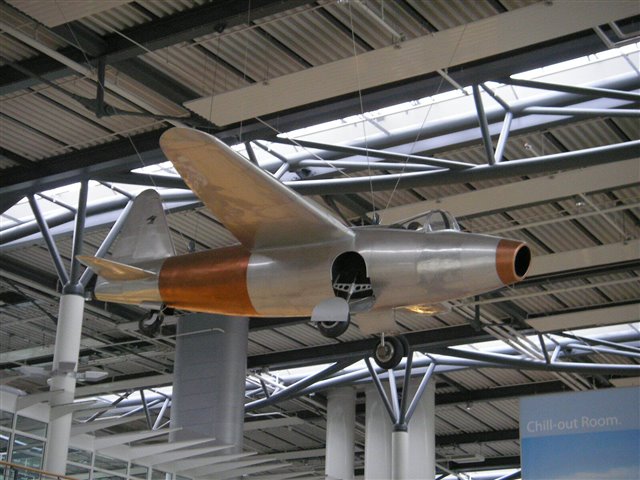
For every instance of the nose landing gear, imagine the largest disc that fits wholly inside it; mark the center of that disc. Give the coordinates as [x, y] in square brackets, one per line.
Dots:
[388, 353]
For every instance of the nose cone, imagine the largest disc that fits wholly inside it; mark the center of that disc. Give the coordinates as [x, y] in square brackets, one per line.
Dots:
[512, 261]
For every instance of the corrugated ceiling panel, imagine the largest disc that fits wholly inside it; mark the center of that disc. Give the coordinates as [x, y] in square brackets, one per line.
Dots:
[269, 441]
[513, 4]
[169, 7]
[538, 304]
[158, 104]
[37, 257]
[192, 67]
[26, 25]
[57, 13]
[26, 142]
[588, 134]
[444, 14]
[13, 50]
[292, 437]
[540, 375]
[256, 348]
[629, 290]
[562, 237]
[251, 53]
[493, 449]
[313, 37]
[504, 376]
[630, 127]
[198, 226]
[471, 379]
[274, 340]
[492, 417]
[366, 22]
[115, 19]
[462, 418]
[575, 298]
[399, 19]
[54, 122]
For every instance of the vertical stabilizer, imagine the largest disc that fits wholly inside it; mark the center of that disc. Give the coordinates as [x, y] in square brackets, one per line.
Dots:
[145, 234]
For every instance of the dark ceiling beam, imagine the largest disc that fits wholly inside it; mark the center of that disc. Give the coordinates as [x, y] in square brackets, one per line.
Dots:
[499, 393]
[156, 80]
[440, 338]
[121, 155]
[477, 437]
[138, 40]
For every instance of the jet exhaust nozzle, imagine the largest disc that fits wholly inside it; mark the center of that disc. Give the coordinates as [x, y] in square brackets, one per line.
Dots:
[512, 261]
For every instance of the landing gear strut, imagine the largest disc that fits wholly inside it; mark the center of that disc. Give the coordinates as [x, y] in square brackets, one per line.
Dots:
[389, 351]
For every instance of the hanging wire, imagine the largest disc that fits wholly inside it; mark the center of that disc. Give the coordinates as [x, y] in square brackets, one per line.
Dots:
[426, 116]
[364, 123]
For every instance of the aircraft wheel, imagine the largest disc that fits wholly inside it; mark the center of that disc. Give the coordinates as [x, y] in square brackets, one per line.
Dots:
[389, 354]
[150, 326]
[332, 329]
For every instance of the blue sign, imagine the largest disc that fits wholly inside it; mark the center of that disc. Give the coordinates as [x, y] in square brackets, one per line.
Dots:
[581, 436]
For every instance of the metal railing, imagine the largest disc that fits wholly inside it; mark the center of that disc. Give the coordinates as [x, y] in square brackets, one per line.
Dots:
[13, 471]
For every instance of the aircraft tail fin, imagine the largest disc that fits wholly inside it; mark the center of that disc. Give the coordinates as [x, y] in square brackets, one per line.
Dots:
[115, 271]
[145, 234]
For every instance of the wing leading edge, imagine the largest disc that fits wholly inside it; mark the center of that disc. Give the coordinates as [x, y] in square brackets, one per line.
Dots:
[260, 211]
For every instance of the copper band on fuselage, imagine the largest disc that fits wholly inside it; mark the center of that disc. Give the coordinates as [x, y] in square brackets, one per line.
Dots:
[506, 261]
[213, 281]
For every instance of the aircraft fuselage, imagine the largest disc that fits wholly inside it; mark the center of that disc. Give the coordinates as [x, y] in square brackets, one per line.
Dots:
[404, 267]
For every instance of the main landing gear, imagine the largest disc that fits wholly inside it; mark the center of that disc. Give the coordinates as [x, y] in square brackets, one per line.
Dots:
[390, 351]
[333, 329]
[151, 324]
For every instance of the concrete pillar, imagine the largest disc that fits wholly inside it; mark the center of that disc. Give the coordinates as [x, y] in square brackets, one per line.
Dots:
[63, 380]
[209, 379]
[341, 422]
[400, 455]
[377, 442]
[422, 435]
[397, 454]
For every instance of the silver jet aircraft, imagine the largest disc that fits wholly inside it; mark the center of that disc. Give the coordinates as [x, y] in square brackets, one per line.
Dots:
[294, 259]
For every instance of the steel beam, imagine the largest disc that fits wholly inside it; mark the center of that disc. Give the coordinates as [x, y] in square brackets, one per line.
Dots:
[514, 168]
[484, 125]
[163, 32]
[78, 236]
[590, 92]
[48, 238]
[106, 243]
[75, 166]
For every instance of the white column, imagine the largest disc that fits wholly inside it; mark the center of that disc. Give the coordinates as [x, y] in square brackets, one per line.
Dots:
[400, 455]
[422, 436]
[377, 444]
[341, 421]
[63, 385]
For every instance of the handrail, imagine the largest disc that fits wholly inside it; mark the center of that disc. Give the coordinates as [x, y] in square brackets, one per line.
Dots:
[16, 466]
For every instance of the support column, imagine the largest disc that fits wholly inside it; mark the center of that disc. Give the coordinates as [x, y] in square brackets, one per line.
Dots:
[209, 379]
[400, 452]
[422, 435]
[377, 443]
[341, 422]
[63, 380]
